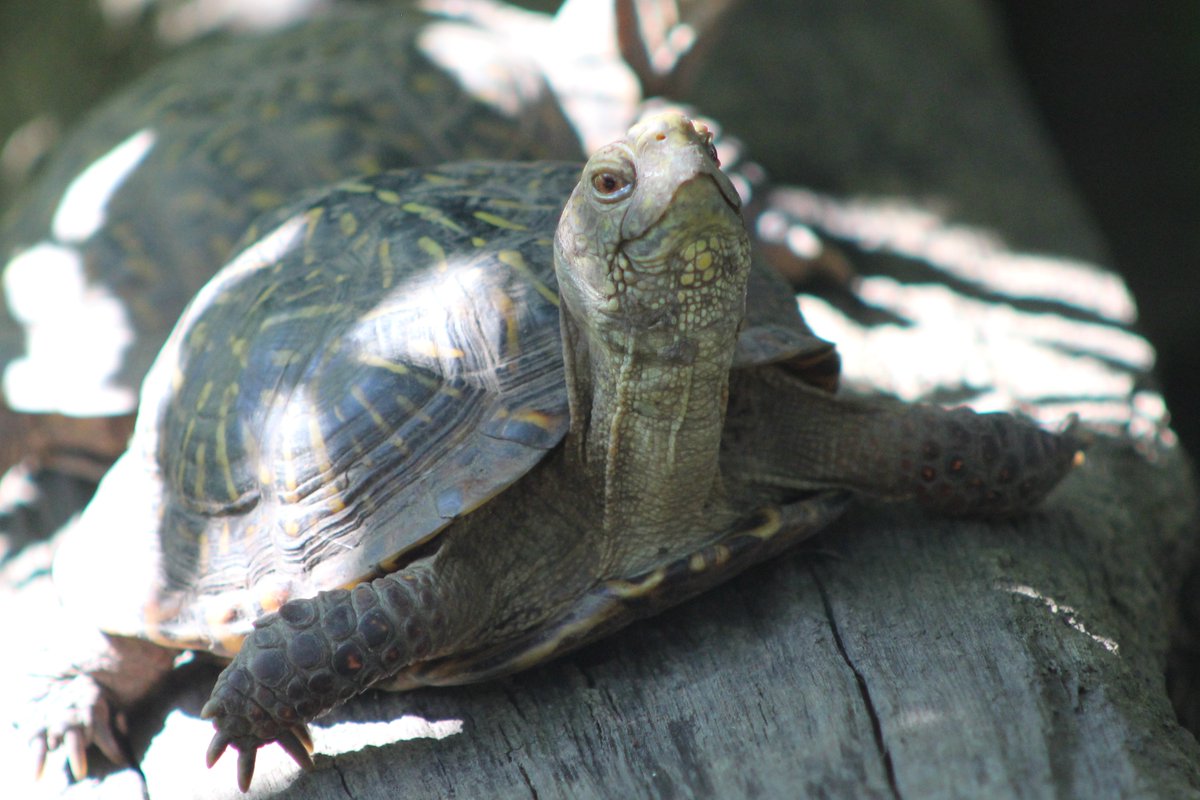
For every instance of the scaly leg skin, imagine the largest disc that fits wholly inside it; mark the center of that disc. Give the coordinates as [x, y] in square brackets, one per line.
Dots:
[314, 654]
[956, 462]
[85, 705]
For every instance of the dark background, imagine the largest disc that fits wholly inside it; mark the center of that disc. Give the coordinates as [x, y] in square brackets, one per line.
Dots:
[1118, 86]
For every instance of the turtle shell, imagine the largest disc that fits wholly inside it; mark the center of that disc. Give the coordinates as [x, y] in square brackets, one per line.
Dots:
[382, 359]
[146, 198]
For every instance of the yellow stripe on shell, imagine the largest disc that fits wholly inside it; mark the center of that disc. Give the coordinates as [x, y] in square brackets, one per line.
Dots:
[311, 218]
[434, 250]
[311, 289]
[415, 411]
[307, 312]
[771, 524]
[434, 215]
[361, 398]
[431, 349]
[240, 348]
[372, 360]
[514, 259]
[205, 393]
[438, 179]
[512, 324]
[262, 199]
[499, 221]
[222, 454]
[262, 298]
[316, 439]
[388, 266]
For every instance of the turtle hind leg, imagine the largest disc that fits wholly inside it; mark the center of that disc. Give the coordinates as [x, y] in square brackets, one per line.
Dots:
[312, 655]
[959, 462]
[783, 433]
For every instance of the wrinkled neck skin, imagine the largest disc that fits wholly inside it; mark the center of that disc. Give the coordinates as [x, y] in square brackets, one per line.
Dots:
[647, 409]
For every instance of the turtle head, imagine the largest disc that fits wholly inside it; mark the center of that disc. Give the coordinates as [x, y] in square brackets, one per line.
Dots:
[651, 243]
[652, 261]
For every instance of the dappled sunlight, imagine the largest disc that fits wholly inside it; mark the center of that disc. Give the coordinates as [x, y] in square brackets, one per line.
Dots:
[1066, 613]
[184, 20]
[962, 343]
[348, 737]
[82, 211]
[50, 293]
[424, 319]
[778, 228]
[574, 52]
[470, 53]
[60, 371]
[166, 374]
[174, 764]
[967, 253]
[914, 718]
[1005, 348]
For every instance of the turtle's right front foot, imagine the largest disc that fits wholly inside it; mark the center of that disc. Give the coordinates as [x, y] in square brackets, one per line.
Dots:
[254, 702]
[244, 724]
[310, 656]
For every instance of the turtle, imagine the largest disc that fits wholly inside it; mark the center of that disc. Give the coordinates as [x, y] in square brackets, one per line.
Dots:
[143, 201]
[436, 425]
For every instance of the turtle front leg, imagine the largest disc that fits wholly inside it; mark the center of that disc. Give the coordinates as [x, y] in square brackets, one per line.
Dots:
[314, 654]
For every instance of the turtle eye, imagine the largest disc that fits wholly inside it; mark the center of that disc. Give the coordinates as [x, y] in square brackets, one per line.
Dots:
[611, 186]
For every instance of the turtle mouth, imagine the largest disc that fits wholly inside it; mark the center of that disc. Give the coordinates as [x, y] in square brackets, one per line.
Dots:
[727, 189]
[634, 228]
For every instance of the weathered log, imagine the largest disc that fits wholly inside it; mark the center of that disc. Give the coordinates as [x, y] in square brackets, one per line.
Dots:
[895, 655]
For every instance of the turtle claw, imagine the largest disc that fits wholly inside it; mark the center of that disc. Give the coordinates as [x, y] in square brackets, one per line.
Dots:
[304, 735]
[72, 715]
[76, 746]
[297, 746]
[296, 742]
[216, 749]
[211, 709]
[245, 767]
[41, 751]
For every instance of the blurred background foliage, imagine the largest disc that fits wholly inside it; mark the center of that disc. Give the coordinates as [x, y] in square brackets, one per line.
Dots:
[1115, 83]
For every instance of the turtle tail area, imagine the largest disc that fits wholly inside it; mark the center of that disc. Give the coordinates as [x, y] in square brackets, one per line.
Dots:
[952, 461]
